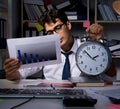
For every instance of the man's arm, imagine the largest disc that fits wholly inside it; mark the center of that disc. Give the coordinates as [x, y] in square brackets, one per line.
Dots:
[96, 32]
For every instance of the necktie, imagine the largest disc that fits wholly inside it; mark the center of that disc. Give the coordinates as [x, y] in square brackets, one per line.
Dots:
[66, 69]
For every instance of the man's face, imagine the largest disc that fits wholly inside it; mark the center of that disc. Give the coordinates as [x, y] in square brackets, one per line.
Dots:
[62, 29]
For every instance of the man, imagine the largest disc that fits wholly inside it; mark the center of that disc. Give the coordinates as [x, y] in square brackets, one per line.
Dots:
[54, 22]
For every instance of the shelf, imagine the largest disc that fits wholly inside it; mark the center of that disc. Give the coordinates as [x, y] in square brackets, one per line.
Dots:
[104, 12]
[91, 13]
[77, 21]
[101, 21]
[26, 14]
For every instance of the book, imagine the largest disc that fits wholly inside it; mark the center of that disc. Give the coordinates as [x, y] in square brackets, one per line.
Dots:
[33, 10]
[30, 24]
[117, 82]
[114, 46]
[51, 83]
[111, 13]
[36, 2]
[72, 15]
[61, 3]
[30, 32]
[87, 81]
[102, 11]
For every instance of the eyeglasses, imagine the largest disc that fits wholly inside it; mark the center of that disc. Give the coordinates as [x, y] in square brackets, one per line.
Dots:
[56, 29]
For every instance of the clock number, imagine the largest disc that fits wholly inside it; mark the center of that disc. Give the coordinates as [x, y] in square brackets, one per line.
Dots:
[101, 65]
[93, 47]
[85, 67]
[88, 48]
[97, 69]
[90, 69]
[81, 62]
[80, 56]
[99, 48]
[104, 59]
[103, 53]
[84, 52]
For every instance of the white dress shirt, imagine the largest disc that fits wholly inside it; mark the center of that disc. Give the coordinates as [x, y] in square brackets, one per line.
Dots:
[55, 71]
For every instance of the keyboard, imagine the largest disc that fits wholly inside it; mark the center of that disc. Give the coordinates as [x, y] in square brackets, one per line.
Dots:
[40, 93]
[70, 97]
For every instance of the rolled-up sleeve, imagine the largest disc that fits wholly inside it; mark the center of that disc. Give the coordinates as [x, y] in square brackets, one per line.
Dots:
[24, 73]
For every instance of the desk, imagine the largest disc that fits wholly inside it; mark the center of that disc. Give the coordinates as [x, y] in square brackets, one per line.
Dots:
[7, 103]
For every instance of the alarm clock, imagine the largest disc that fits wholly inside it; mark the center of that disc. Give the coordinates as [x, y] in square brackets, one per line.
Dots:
[92, 57]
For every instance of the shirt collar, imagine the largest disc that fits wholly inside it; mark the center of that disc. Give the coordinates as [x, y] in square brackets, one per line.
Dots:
[74, 47]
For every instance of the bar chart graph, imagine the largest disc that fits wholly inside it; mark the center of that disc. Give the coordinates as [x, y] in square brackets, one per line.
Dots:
[35, 54]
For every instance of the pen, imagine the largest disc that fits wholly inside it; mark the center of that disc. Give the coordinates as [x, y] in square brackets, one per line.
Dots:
[52, 86]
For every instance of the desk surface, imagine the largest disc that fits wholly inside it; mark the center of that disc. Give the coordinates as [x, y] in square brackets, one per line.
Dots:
[7, 103]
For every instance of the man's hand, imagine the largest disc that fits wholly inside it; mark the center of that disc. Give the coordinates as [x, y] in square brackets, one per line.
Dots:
[95, 31]
[11, 67]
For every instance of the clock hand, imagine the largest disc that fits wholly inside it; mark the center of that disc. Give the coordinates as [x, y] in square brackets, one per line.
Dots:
[95, 56]
[88, 54]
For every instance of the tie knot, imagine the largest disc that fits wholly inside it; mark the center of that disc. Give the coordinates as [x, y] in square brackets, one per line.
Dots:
[67, 53]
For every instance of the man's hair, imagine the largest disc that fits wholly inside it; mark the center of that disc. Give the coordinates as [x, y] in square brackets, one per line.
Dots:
[50, 16]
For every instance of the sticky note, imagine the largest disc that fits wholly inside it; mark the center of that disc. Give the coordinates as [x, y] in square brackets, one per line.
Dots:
[86, 23]
[1, 100]
[39, 27]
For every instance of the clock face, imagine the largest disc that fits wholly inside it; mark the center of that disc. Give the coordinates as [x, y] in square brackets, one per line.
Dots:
[93, 58]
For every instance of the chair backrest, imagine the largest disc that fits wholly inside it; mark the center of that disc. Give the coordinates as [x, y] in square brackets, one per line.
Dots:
[117, 67]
